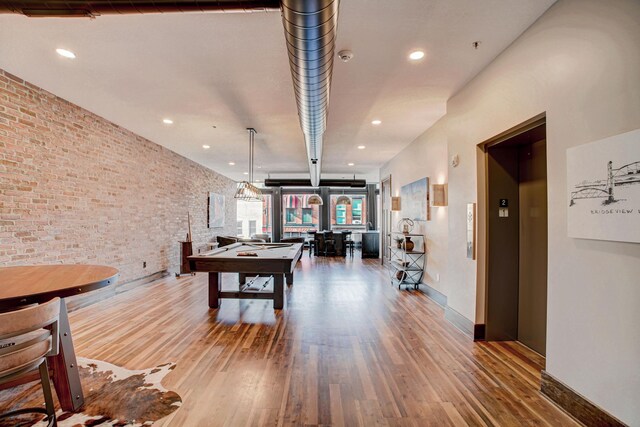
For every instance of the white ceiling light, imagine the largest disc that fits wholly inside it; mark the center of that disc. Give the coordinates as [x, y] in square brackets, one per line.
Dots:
[206, 147]
[350, 164]
[376, 122]
[167, 121]
[361, 147]
[66, 53]
[416, 55]
[245, 173]
[232, 163]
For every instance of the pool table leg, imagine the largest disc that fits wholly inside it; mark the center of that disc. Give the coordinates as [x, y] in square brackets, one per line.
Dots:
[215, 282]
[289, 277]
[278, 291]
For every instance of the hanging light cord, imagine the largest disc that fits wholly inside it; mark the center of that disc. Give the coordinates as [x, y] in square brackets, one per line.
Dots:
[252, 133]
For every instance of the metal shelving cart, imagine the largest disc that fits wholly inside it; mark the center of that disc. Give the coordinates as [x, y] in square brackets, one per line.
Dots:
[406, 267]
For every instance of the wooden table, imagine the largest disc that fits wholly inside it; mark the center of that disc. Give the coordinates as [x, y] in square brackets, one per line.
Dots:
[20, 286]
[273, 259]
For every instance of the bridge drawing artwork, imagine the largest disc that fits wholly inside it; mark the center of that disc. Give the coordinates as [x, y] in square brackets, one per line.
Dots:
[603, 189]
[628, 174]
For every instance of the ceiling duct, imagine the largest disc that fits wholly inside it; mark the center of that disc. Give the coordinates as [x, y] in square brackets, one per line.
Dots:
[293, 182]
[77, 8]
[310, 31]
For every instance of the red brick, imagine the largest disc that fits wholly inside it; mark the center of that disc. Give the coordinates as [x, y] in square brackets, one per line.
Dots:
[77, 188]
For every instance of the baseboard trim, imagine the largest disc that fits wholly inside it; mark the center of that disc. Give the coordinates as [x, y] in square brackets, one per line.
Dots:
[479, 332]
[459, 321]
[437, 296]
[575, 404]
[83, 300]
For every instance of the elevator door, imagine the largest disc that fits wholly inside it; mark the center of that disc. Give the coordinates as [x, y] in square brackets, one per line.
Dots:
[532, 294]
[517, 240]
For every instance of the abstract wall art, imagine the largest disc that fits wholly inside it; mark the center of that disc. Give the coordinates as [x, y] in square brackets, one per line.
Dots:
[415, 200]
[216, 211]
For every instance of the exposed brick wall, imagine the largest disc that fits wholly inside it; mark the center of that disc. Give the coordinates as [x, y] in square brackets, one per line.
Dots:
[76, 188]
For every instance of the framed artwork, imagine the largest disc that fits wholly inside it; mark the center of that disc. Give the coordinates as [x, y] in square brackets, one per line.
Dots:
[215, 216]
[415, 200]
[471, 230]
[603, 179]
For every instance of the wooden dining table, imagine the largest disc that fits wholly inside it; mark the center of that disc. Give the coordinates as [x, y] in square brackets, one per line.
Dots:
[25, 285]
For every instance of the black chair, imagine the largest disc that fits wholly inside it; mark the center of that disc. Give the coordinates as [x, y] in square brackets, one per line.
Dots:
[318, 243]
[310, 241]
[329, 243]
[349, 244]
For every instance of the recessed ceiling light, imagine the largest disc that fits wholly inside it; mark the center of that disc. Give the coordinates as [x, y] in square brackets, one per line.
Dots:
[350, 164]
[167, 121]
[206, 147]
[258, 167]
[245, 173]
[66, 53]
[376, 122]
[416, 55]
[232, 163]
[361, 147]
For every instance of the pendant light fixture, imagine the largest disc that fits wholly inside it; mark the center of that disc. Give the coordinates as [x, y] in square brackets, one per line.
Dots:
[343, 200]
[314, 199]
[246, 190]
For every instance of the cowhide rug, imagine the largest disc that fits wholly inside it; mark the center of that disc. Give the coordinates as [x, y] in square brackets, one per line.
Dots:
[114, 397]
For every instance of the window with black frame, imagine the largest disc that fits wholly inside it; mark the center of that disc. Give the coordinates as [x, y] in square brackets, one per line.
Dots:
[298, 215]
[348, 211]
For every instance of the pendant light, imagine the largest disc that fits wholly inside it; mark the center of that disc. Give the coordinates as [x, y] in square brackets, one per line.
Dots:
[314, 199]
[343, 200]
[246, 190]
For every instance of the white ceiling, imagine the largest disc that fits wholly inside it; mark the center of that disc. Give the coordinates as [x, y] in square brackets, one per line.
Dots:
[231, 71]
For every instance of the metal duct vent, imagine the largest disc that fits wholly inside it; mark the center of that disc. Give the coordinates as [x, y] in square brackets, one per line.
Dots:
[71, 8]
[310, 30]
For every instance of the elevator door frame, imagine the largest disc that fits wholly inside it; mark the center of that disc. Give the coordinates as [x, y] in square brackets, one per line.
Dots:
[484, 218]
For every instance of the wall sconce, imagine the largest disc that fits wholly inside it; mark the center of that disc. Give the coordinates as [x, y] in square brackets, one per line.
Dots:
[440, 195]
[395, 204]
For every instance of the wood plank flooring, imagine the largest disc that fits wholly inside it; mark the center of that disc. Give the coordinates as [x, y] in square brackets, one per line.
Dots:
[348, 350]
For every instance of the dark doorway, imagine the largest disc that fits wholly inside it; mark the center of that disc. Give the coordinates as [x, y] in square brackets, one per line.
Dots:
[517, 239]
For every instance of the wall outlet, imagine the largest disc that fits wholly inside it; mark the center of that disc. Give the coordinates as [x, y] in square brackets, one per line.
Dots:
[144, 264]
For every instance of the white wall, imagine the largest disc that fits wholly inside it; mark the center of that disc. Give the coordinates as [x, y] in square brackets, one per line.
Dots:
[426, 156]
[579, 63]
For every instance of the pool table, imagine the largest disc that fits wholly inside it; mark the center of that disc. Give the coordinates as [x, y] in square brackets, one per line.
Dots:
[269, 262]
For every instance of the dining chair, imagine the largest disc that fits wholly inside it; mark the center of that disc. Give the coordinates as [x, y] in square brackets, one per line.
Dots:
[318, 243]
[27, 337]
[349, 244]
[329, 243]
[310, 241]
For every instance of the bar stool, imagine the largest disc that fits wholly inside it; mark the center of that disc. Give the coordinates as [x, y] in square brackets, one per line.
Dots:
[310, 241]
[348, 243]
[329, 242]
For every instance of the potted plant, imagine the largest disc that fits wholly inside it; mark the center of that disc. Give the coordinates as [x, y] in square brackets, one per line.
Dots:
[399, 241]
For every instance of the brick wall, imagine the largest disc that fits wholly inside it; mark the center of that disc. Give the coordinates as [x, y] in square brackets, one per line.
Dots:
[76, 188]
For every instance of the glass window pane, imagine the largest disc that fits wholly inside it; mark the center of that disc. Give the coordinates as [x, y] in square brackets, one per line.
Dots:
[255, 217]
[349, 216]
[298, 216]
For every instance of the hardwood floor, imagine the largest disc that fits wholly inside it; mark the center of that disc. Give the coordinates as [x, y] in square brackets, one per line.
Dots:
[348, 350]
